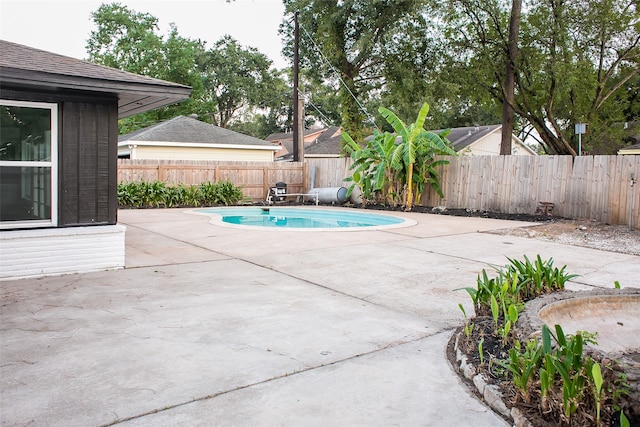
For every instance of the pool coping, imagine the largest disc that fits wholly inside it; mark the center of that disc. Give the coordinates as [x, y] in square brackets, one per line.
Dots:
[217, 220]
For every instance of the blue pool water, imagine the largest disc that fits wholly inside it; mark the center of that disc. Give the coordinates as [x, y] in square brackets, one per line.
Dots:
[301, 218]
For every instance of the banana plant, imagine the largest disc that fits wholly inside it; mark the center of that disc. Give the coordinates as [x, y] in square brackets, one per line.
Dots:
[415, 146]
[363, 168]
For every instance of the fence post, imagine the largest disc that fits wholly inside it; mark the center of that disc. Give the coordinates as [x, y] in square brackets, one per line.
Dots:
[265, 180]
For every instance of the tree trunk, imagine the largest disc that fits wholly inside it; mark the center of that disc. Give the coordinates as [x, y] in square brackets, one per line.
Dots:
[351, 117]
[509, 97]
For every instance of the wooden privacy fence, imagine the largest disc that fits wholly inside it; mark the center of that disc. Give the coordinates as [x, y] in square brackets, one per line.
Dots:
[255, 178]
[592, 187]
[587, 187]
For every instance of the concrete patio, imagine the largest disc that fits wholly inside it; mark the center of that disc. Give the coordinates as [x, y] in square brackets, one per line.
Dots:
[212, 325]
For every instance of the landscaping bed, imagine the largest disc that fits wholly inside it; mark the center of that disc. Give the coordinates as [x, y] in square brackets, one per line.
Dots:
[538, 375]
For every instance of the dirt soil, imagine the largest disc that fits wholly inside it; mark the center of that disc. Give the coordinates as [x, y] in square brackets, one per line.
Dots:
[613, 238]
[576, 232]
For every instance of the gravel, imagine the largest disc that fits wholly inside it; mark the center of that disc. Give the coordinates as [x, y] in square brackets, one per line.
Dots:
[612, 238]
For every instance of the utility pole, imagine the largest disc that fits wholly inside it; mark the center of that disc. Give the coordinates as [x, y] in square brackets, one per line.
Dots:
[298, 129]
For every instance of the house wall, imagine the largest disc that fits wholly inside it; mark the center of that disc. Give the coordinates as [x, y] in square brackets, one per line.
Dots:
[518, 150]
[198, 153]
[490, 145]
[87, 237]
[43, 252]
[88, 164]
[87, 155]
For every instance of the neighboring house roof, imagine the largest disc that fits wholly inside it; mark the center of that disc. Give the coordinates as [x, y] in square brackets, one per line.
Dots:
[632, 149]
[285, 139]
[329, 144]
[22, 65]
[185, 131]
[464, 137]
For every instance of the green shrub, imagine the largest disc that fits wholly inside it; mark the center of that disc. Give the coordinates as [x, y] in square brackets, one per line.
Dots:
[538, 277]
[157, 194]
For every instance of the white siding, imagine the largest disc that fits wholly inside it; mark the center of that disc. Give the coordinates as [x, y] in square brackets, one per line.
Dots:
[44, 252]
[490, 146]
[198, 153]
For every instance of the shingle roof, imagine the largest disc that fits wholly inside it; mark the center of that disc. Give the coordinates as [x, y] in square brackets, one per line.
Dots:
[330, 142]
[286, 139]
[183, 130]
[22, 65]
[461, 138]
[283, 136]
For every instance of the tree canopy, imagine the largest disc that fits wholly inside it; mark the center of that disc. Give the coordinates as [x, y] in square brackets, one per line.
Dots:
[236, 78]
[573, 61]
[347, 40]
[577, 61]
[230, 83]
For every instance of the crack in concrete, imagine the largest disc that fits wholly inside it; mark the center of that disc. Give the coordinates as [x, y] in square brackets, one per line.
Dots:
[390, 345]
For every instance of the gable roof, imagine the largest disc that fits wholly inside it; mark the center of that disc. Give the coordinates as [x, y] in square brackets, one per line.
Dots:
[329, 143]
[460, 138]
[26, 66]
[285, 139]
[463, 137]
[183, 130]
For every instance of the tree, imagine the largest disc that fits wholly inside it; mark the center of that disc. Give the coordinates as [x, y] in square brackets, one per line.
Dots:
[229, 82]
[509, 79]
[129, 40]
[350, 37]
[416, 146]
[236, 80]
[275, 114]
[575, 57]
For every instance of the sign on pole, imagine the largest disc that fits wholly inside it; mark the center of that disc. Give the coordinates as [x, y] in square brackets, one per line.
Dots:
[580, 128]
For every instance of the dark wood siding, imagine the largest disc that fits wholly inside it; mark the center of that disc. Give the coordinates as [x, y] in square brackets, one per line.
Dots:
[88, 164]
[87, 154]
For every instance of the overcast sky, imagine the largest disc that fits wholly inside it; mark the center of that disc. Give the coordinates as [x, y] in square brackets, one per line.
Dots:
[63, 26]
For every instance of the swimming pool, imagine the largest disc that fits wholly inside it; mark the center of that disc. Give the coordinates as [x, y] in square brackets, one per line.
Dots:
[284, 218]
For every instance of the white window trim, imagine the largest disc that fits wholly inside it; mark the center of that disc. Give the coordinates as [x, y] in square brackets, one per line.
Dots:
[53, 164]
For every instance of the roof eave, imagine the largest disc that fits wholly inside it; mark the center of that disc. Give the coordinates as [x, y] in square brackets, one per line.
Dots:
[133, 142]
[133, 98]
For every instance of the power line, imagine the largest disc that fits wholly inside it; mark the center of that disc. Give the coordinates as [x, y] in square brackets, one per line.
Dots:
[371, 119]
[321, 114]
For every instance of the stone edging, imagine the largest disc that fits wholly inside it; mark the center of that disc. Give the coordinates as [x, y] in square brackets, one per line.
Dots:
[490, 393]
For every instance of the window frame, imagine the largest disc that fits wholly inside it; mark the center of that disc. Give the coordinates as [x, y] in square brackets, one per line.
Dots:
[52, 164]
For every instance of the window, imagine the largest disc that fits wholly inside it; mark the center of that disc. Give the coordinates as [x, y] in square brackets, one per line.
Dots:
[28, 164]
